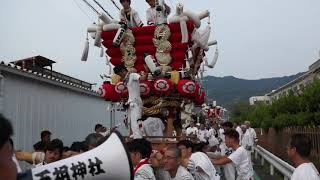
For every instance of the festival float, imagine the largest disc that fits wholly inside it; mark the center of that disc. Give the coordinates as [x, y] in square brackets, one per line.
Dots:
[169, 56]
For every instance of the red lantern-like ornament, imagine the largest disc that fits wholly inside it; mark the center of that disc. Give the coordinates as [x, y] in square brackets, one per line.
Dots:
[199, 99]
[145, 88]
[107, 91]
[186, 87]
[162, 86]
[121, 89]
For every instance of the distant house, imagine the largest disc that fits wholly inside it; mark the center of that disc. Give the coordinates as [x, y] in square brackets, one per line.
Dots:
[259, 99]
[296, 85]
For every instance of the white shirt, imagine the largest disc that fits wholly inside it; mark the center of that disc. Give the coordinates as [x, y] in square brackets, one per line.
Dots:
[133, 86]
[247, 139]
[204, 169]
[212, 133]
[182, 174]
[152, 15]
[239, 130]
[190, 130]
[153, 126]
[203, 135]
[253, 134]
[305, 171]
[243, 165]
[134, 20]
[145, 172]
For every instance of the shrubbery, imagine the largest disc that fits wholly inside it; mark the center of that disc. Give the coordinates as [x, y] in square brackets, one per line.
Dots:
[291, 110]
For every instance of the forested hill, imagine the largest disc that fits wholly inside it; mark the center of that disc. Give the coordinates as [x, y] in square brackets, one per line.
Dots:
[228, 89]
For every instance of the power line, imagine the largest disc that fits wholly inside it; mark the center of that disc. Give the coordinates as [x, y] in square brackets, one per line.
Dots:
[171, 5]
[103, 9]
[83, 11]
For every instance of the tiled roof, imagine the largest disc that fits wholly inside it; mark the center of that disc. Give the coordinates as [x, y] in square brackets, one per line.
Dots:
[45, 78]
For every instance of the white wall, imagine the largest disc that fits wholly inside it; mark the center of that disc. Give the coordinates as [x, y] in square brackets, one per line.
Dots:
[33, 106]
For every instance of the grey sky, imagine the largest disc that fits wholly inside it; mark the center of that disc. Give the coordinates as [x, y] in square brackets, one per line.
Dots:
[257, 38]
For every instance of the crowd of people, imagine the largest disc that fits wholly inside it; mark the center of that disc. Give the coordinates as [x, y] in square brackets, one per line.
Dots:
[222, 153]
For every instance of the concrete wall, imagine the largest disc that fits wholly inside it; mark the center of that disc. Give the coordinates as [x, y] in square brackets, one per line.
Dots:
[34, 105]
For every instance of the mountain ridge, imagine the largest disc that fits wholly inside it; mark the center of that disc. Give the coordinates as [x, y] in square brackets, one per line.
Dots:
[228, 89]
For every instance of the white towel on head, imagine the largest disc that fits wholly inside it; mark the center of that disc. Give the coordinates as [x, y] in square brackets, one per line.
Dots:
[204, 167]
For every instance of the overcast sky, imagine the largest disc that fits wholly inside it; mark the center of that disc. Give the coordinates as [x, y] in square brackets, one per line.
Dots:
[257, 38]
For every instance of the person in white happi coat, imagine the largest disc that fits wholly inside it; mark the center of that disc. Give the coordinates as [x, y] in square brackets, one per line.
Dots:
[192, 130]
[128, 15]
[238, 157]
[239, 130]
[247, 140]
[197, 163]
[172, 164]
[203, 134]
[131, 80]
[213, 130]
[153, 126]
[298, 150]
[251, 131]
[229, 168]
[140, 151]
[152, 12]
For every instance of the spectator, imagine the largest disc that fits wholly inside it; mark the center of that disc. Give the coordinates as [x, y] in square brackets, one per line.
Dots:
[45, 138]
[239, 156]
[299, 150]
[203, 134]
[8, 168]
[140, 151]
[75, 149]
[98, 128]
[247, 140]
[213, 130]
[192, 130]
[92, 140]
[251, 131]
[53, 152]
[172, 164]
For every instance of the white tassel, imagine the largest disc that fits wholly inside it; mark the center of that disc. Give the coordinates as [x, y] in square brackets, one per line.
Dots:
[109, 65]
[85, 52]
[204, 37]
[101, 51]
[195, 18]
[105, 18]
[97, 39]
[204, 14]
[214, 61]
[184, 31]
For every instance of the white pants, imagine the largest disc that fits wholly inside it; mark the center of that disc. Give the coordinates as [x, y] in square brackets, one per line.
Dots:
[229, 171]
[135, 114]
[249, 155]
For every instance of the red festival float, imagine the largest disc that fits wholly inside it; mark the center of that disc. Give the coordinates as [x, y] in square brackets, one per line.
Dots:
[169, 56]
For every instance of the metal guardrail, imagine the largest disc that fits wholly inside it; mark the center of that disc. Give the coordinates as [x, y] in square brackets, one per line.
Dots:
[283, 167]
